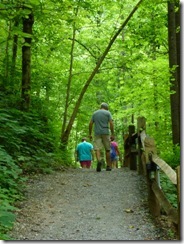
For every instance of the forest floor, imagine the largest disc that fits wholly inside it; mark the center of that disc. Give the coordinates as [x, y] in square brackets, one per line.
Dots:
[82, 204]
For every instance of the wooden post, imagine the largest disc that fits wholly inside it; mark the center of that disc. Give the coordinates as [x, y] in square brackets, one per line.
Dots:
[178, 195]
[153, 202]
[126, 151]
[150, 169]
[133, 158]
[141, 125]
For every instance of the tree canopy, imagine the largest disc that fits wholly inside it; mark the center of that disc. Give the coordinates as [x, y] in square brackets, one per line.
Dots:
[72, 50]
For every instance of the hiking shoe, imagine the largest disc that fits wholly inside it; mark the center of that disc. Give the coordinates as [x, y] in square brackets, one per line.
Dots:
[99, 165]
[108, 168]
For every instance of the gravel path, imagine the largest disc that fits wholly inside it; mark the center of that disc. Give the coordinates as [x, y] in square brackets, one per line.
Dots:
[82, 204]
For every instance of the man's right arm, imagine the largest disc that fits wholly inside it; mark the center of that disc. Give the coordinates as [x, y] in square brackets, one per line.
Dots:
[111, 127]
[90, 129]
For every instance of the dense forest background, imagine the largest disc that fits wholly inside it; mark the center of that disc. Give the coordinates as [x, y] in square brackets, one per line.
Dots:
[60, 59]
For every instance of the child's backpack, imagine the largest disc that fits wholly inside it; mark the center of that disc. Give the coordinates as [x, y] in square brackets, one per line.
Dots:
[113, 151]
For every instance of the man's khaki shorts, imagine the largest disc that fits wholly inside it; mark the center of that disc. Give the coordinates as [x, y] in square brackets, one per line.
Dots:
[102, 141]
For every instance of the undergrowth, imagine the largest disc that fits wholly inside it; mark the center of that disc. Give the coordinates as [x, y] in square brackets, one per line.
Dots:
[27, 146]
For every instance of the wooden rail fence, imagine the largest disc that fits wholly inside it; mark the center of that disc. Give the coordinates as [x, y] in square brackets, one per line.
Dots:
[140, 154]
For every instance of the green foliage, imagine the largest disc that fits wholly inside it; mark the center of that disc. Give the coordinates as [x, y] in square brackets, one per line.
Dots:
[27, 146]
[169, 189]
[134, 74]
[7, 216]
[28, 139]
[171, 156]
[9, 173]
[11, 186]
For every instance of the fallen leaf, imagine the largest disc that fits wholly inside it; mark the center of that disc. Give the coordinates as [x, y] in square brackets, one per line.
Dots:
[128, 210]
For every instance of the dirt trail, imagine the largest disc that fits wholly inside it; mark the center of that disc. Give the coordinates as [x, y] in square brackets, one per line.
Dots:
[81, 204]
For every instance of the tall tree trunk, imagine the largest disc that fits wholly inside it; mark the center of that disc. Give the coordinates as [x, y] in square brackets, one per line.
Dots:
[65, 115]
[69, 80]
[14, 51]
[174, 64]
[66, 134]
[6, 61]
[177, 19]
[26, 63]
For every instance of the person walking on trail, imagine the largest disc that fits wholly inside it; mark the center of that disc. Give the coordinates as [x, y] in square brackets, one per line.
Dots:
[102, 120]
[84, 153]
[115, 153]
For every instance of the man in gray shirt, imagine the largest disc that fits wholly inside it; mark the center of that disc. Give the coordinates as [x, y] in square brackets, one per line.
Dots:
[102, 120]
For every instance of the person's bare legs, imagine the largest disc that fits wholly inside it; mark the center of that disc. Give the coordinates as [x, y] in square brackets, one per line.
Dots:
[98, 157]
[117, 164]
[83, 165]
[108, 158]
[113, 165]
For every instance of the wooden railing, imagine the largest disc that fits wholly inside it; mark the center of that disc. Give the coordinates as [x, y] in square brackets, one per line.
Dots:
[141, 155]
